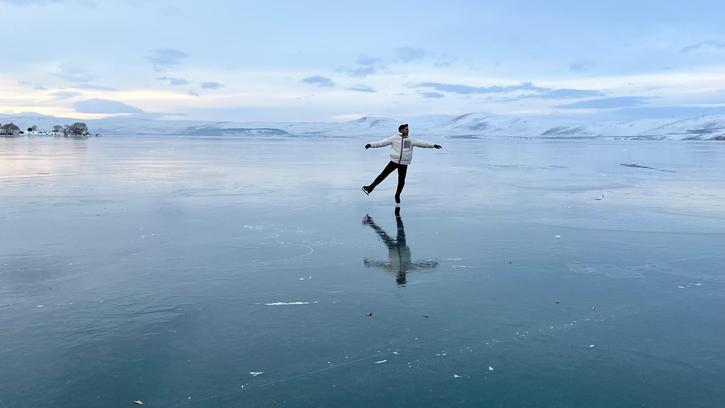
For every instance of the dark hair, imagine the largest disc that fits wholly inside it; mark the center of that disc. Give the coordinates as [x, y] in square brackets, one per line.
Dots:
[401, 127]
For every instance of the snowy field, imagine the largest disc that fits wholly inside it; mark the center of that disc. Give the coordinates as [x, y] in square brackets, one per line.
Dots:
[182, 271]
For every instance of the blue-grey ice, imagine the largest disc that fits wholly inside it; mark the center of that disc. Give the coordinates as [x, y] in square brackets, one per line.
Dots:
[169, 267]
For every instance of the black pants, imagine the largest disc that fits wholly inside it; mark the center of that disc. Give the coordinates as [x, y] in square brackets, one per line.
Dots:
[402, 171]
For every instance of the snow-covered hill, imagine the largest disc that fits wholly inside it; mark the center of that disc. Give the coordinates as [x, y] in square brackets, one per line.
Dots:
[471, 125]
[699, 128]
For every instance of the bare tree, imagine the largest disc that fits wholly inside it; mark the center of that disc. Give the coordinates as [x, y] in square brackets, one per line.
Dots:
[57, 128]
[77, 129]
[10, 128]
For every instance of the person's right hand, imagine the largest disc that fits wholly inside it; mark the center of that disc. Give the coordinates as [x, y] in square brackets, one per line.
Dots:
[367, 146]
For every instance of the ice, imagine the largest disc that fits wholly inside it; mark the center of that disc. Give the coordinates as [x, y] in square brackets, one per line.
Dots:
[235, 230]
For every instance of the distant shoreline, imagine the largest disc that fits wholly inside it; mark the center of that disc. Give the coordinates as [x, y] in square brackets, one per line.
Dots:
[468, 126]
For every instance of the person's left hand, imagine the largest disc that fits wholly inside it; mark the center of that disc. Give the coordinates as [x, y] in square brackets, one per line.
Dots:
[437, 146]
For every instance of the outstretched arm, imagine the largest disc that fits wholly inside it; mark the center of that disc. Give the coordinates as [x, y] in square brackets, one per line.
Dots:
[380, 143]
[427, 145]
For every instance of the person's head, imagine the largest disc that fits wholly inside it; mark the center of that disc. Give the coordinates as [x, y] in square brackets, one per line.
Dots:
[403, 129]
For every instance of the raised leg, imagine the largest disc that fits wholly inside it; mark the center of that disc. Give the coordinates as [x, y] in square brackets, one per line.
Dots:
[383, 174]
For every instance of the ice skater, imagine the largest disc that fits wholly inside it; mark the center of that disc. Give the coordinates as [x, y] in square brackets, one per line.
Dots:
[401, 153]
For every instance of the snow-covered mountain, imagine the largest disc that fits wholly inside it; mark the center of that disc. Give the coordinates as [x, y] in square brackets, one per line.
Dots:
[471, 126]
[699, 128]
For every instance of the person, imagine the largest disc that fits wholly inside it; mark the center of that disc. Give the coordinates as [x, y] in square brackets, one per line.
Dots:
[401, 153]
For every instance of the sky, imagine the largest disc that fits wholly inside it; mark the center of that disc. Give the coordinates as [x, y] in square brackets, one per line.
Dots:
[341, 60]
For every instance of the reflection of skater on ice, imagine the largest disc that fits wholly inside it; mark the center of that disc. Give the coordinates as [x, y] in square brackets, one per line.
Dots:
[399, 261]
[401, 153]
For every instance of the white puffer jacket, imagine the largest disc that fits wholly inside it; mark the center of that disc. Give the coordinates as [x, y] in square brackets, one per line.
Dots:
[401, 150]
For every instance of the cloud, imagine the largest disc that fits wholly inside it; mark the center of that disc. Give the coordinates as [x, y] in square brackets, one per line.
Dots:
[534, 91]
[173, 81]
[89, 3]
[37, 87]
[432, 95]
[211, 85]
[72, 73]
[164, 58]
[361, 88]
[566, 93]
[79, 77]
[672, 111]
[94, 87]
[319, 81]
[608, 103]
[360, 71]
[444, 60]
[29, 2]
[61, 95]
[104, 106]
[467, 89]
[580, 66]
[407, 54]
[368, 61]
[365, 65]
[716, 45]
[192, 92]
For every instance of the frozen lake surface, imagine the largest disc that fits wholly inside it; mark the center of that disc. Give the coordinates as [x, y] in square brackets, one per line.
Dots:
[234, 272]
